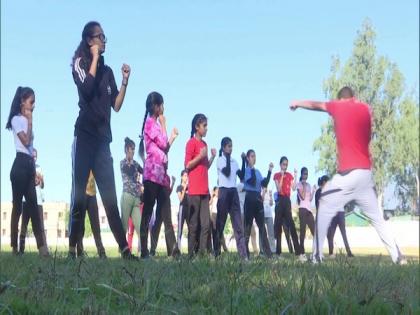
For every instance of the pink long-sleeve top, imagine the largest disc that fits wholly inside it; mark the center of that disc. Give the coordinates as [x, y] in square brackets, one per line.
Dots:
[156, 163]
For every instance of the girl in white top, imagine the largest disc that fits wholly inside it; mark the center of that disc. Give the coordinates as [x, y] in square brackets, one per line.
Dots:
[22, 174]
[305, 195]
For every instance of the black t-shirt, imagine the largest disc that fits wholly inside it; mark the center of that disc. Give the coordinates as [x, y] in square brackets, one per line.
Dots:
[96, 97]
[184, 201]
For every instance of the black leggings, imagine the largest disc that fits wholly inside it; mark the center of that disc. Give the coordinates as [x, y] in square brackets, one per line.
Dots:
[24, 225]
[283, 214]
[156, 193]
[254, 209]
[306, 218]
[339, 220]
[92, 210]
[22, 177]
[90, 154]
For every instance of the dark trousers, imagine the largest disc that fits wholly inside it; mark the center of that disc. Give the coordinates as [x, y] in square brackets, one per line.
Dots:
[93, 213]
[254, 209]
[182, 218]
[156, 193]
[306, 218]
[339, 220]
[288, 241]
[89, 154]
[24, 225]
[283, 214]
[228, 202]
[198, 224]
[213, 219]
[22, 176]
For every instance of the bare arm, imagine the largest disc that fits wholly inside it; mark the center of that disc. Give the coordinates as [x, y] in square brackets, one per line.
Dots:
[126, 70]
[213, 155]
[310, 105]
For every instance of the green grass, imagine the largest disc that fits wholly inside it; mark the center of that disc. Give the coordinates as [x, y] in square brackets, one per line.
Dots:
[365, 284]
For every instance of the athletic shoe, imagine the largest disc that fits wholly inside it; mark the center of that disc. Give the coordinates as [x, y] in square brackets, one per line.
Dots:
[402, 262]
[302, 258]
[350, 255]
[127, 255]
[102, 255]
[43, 251]
[71, 255]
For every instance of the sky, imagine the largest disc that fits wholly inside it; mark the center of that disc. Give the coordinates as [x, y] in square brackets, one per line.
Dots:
[239, 62]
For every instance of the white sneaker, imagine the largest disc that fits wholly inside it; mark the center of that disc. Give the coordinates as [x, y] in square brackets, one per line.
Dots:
[302, 258]
[402, 262]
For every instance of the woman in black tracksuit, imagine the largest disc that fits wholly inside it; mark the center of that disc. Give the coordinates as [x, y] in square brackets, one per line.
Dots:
[98, 93]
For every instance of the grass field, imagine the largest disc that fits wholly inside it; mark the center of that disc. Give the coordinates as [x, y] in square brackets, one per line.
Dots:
[365, 285]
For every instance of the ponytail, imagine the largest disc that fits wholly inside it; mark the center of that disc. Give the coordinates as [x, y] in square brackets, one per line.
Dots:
[21, 94]
[141, 145]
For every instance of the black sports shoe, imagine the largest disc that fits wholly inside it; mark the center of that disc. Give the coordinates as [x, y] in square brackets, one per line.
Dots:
[127, 255]
[71, 255]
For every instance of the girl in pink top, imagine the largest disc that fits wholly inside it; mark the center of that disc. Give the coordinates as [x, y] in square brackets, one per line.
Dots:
[305, 194]
[155, 178]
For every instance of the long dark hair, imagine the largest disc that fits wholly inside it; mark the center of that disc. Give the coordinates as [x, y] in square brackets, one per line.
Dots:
[248, 153]
[283, 158]
[22, 93]
[154, 98]
[225, 141]
[83, 50]
[198, 119]
[128, 143]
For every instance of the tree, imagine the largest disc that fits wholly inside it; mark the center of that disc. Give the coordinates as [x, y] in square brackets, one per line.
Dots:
[405, 162]
[377, 82]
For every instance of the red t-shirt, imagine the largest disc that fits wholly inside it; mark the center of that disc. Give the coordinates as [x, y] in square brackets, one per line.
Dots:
[198, 177]
[352, 126]
[287, 183]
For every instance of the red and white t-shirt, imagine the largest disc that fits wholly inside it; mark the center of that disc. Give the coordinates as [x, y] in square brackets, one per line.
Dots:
[198, 177]
[352, 126]
[286, 185]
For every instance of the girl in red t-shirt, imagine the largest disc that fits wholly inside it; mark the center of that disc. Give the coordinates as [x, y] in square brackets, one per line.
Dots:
[197, 163]
[283, 211]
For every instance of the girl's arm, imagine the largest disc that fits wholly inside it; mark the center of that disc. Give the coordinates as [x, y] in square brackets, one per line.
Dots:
[213, 155]
[301, 193]
[191, 162]
[241, 172]
[294, 181]
[126, 70]
[265, 181]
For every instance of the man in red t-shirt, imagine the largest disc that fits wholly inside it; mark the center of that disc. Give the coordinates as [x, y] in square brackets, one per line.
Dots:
[354, 181]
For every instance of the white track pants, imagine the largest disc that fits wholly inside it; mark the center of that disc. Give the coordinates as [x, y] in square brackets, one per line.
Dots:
[357, 186]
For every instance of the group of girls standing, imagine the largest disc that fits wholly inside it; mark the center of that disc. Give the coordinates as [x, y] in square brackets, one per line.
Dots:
[147, 186]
